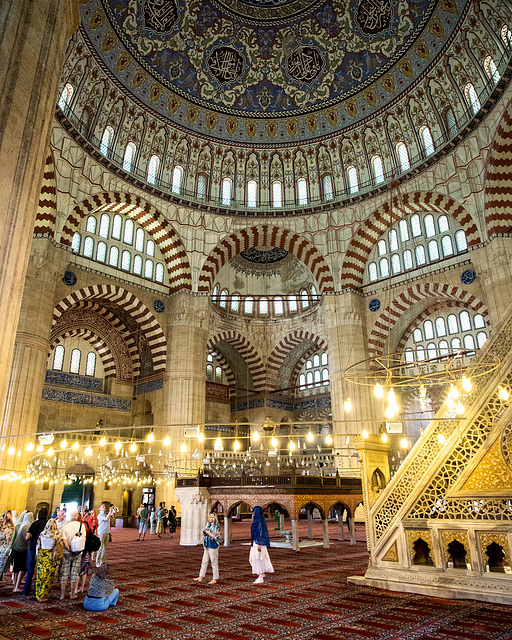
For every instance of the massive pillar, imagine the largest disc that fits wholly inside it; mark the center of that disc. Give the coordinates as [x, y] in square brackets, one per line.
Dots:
[33, 39]
[21, 411]
[493, 264]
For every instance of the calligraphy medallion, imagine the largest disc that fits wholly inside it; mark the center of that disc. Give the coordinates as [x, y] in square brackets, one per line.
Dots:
[159, 16]
[374, 16]
[225, 64]
[305, 64]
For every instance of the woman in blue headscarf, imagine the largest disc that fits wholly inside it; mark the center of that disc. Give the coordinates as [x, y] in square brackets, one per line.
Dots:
[258, 557]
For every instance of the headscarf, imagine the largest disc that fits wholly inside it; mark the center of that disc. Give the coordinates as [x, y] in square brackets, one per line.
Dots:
[259, 531]
[101, 586]
[51, 530]
[214, 528]
[28, 518]
[14, 514]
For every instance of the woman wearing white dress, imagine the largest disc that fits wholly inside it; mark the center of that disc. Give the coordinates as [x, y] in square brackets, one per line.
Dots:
[258, 557]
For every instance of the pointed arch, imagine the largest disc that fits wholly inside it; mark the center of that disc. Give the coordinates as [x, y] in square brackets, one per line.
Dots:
[47, 206]
[498, 178]
[283, 349]
[383, 218]
[97, 342]
[247, 352]
[145, 214]
[436, 291]
[270, 237]
[149, 327]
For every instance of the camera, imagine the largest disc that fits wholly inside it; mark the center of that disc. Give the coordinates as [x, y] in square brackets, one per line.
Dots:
[115, 509]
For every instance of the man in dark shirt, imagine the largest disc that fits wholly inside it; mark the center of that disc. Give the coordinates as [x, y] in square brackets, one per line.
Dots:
[34, 531]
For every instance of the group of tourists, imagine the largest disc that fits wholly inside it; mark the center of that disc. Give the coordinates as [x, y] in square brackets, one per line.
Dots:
[156, 520]
[40, 551]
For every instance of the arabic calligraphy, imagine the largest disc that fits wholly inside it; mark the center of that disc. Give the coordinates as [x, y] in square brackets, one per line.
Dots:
[225, 64]
[373, 16]
[160, 15]
[304, 64]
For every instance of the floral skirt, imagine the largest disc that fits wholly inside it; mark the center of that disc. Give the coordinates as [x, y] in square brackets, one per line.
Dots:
[45, 573]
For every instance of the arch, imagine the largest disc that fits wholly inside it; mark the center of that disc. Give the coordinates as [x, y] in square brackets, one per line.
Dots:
[47, 206]
[348, 509]
[498, 179]
[97, 342]
[268, 237]
[225, 366]
[383, 218]
[384, 324]
[285, 346]
[150, 329]
[246, 351]
[302, 503]
[145, 214]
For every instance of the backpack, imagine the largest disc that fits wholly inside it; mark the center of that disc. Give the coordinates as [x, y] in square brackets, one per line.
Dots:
[78, 541]
[92, 543]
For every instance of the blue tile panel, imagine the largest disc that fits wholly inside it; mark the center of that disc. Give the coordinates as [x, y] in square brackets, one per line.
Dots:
[146, 387]
[88, 399]
[300, 405]
[73, 380]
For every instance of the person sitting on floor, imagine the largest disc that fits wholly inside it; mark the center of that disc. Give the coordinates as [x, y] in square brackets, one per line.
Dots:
[101, 594]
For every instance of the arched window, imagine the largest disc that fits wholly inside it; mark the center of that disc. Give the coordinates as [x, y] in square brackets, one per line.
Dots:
[426, 139]
[316, 360]
[433, 250]
[453, 325]
[481, 337]
[378, 169]
[292, 304]
[409, 355]
[58, 358]
[416, 226]
[126, 260]
[309, 379]
[65, 96]
[177, 177]
[428, 329]
[469, 342]
[90, 364]
[479, 321]
[447, 245]
[137, 265]
[223, 300]
[304, 299]
[444, 349]
[106, 140]
[506, 35]
[150, 248]
[408, 259]
[302, 191]
[148, 269]
[404, 230]
[417, 335]
[201, 186]
[455, 344]
[88, 247]
[395, 263]
[159, 272]
[309, 364]
[403, 156]
[460, 240]
[372, 270]
[209, 372]
[420, 352]
[153, 167]
[235, 303]
[76, 356]
[117, 223]
[324, 359]
[113, 258]
[252, 188]
[431, 351]
[139, 240]
[465, 321]
[472, 98]
[491, 70]
[249, 305]
[420, 255]
[218, 374]
[209, 357]
[325, 376]
[302, 380]
[443, 224]
[278, 306]
[327, 185]
[101, 252]
[430, 228]
[440, 327]
[451, 122]
[313, 291]
[129, 156]
[384, 267]
[382, 248]
[353, 182]
[393, 240]
[277, 194]
[104, 225]
[263, 307]
[128, 232]
[75, 243]
[318, 378]
[226, 191]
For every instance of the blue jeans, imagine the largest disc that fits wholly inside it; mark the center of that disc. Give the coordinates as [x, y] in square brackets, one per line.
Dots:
[100, 604]
[31, 565]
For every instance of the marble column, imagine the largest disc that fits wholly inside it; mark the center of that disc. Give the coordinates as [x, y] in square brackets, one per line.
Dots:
[493, 266]
[339, 514]
[195, 503]
[325, 525]
[295, 535]
[227, 531]
[310, 524]
[21, 410]
[33, 40]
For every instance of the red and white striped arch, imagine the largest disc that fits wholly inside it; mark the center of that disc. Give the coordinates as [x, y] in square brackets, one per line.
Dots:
[150, 328]
[145, 214]
[284, 348]
[47, 205]
[383, 218]
[246, 351]
[266, 236]
[98, 343]
[401, 304]
[498, 179]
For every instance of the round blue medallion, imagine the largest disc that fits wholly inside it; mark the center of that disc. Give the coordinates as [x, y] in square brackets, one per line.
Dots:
[158, 306]
[69, 278]
[468, 276]
[374, 304]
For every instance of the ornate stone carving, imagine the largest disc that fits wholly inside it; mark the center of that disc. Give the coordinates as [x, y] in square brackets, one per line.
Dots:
[460, 536]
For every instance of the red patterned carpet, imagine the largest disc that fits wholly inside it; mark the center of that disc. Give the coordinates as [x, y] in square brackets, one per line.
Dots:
[306, 598]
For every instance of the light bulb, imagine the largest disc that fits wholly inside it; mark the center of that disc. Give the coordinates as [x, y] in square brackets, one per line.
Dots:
[378, 391]
[310, 437]
[450, 402]
[88, 451]
[30, 446]
[459, 408]
[11, 451]
[423, 391]
[328, 440]
[63, 443]
[503, 393]
[466, 384]
[167, 441]
[291, 445]
[274, 442]
[40, 448]
[50, 452]
[390, 412]
[183, 448]
[118, 445]
[255, 436]
[200, 437]
[151, 437]
[441, 438]
[218, 444]
[348, 405]
[454, 392]
[236, 445]
[75, 446]
[133, 447]
[404, 443]
[384, 437]
[391, 396]
[103, 442]
[365, 434]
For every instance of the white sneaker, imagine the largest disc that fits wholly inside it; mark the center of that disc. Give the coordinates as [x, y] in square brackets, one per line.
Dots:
[259, 580]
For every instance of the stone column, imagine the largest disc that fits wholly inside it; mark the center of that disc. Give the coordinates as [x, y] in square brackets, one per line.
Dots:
[310, 524]
[352, 530]
[493, 266]
[21, 410]
[325, 524]
[34, 36]
[295, 535]
[339, 513]
[227, 531]
[195, 503]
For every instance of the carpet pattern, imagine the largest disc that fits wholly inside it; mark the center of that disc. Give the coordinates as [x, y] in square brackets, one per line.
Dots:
[307, 598]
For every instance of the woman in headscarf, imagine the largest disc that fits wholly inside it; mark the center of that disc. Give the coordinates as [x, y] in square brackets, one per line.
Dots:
[20, 548]
[47, 559]
[211, 542]
[260, 541]
[6, 537]
[101, 594]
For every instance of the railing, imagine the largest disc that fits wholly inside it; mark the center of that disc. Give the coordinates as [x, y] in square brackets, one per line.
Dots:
[465, 124]
[293, 480]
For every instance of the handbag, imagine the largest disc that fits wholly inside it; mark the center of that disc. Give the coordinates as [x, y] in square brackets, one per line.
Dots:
[78, 541]
[58, 551]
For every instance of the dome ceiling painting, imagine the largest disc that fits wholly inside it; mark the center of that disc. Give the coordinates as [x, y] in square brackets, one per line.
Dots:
[225, 68]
